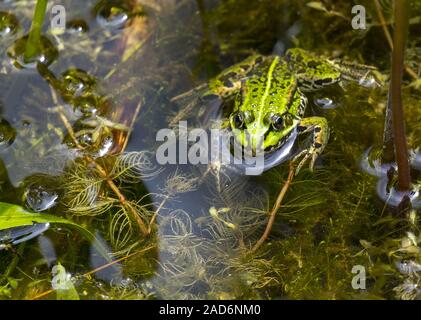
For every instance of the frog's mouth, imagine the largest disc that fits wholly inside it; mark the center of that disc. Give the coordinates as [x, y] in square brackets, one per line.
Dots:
[249, 152]
[280, 143]
[275, 155]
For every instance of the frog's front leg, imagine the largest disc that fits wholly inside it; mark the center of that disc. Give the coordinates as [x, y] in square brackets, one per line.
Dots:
[319, 129]
[228, 82]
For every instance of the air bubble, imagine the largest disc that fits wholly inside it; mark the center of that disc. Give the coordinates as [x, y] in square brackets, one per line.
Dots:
[7, 134]
[41, 192]
[371, 163]
[8, 24]
[325, 103]
[76, 82]
[40, 197]
[85, 140]
[112, 14]
[77, 26]
[87, 105]
[106, 146]
[48, 53]
[416, 160]
[394, 197]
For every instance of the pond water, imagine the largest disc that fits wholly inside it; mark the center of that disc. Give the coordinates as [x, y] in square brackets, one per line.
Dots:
[78, 151]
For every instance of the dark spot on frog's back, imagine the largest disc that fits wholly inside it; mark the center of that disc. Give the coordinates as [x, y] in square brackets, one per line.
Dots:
[299, 58]
[312, 64]
[227, 83]
[259, 59]
[210, 97]
[323, 81]
[254, 82]
[227, 76]
[301, 128]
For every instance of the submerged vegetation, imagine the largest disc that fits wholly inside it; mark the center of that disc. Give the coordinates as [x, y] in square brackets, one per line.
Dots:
[102, 220]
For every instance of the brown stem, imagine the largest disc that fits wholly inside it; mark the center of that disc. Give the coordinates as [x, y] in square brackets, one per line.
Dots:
[272, 214]
[151, 222]
[388, 148]
[104, 266]
[104, 175]
[383, 23]
[401, 147]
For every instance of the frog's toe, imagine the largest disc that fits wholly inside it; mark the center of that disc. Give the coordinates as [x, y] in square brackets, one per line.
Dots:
[369, 80]
[307, 154]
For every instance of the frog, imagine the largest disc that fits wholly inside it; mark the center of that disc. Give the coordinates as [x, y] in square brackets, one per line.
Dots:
[269, 100]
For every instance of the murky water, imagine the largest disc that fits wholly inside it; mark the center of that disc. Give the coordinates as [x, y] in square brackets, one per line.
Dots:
[78, 128]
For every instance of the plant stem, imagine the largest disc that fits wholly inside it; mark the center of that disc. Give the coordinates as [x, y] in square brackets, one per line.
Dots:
[107, 179]
[383, 23]
[13, 264]
[399, 41]
[272, 214]
[104, 266]
[388, 148]
[34, 40]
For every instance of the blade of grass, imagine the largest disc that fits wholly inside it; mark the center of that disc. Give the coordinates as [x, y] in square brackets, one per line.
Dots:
[34, 40]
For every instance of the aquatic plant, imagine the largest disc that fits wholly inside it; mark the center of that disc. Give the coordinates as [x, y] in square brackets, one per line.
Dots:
[33, 45]
[93, 187]
[399, 42]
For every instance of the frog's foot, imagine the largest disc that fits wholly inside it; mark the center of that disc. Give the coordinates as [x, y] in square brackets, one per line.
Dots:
[315, 72]
[307, 154]
[362, 74]
[319, 129]
[193, 92]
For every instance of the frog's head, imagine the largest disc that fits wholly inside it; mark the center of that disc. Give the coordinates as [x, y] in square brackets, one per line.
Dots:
[266, 134]
[264, 127]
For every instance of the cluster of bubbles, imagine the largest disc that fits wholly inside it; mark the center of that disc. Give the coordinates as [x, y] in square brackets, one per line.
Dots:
[111, 15]
[76, 87]
[7, 134]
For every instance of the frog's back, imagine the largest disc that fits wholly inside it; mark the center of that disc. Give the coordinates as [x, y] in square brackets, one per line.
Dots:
[269, 88]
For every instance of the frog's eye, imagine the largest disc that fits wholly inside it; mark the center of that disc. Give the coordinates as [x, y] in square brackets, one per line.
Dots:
[248, 116]
[238, 120]
[277, 122]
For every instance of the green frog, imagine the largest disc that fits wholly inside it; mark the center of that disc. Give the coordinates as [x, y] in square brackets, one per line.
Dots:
[269, 100]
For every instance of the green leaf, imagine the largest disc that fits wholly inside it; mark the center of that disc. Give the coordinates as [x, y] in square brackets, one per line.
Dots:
[62, 283]
[12, 216]
[317, 5]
